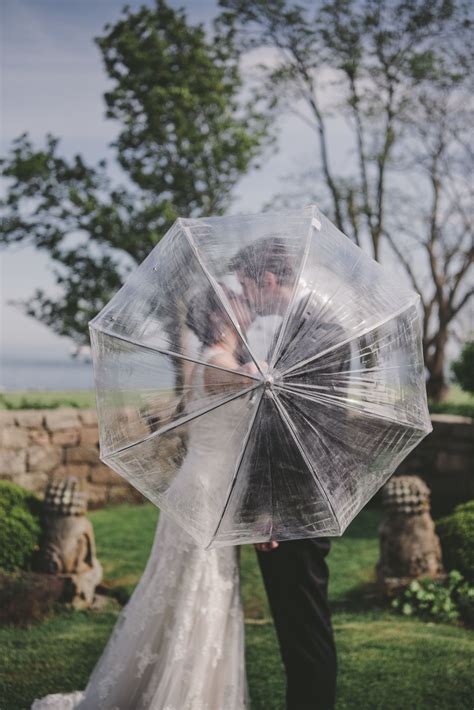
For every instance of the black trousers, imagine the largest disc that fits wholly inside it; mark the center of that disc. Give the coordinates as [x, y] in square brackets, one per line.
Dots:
[296, 579]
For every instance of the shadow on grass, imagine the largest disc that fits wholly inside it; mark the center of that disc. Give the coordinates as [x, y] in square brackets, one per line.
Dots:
[363, 597]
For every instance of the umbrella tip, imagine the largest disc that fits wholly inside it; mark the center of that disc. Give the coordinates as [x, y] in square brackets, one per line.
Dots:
[268, 381]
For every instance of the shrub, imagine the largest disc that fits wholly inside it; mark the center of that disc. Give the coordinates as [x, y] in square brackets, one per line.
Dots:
[456, 533]
[19, 526]
[463, 368]
[438, 600]
[30, 402]
[461, 409]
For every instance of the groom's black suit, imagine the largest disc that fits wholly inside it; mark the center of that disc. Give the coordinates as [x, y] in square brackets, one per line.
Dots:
[296, 574]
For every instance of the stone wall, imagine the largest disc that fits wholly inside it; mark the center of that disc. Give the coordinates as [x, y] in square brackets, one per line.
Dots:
[38, 445]
[445, 460]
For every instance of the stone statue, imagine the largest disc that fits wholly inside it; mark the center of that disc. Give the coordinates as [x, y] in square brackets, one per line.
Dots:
[409, 546]
[67, 548]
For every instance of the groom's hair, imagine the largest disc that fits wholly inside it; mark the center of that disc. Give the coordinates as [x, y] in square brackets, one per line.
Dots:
[266, 254]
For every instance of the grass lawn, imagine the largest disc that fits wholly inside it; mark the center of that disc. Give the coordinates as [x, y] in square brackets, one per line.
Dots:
[386, 662]
[24, 399]
[27, 399]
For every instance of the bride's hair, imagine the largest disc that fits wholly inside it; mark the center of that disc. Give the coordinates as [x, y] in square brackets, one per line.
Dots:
[206, 316]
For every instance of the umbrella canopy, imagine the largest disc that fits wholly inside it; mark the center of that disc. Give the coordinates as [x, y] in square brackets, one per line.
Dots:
[259, 377]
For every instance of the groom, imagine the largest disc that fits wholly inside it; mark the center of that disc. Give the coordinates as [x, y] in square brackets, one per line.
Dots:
[295, 572]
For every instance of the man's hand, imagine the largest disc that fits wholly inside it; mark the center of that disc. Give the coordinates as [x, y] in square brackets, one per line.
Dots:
[266, 546]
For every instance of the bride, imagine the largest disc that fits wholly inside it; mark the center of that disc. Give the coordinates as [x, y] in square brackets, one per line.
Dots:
[179, 642]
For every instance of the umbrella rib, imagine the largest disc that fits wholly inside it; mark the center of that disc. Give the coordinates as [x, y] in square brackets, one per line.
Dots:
[185, 419]
[286, 318]
[365, 370]
[171, 353]
[287, 420]
[237, 468]
[330, 400]
[324, 306]
[217, 291]
[355, 336]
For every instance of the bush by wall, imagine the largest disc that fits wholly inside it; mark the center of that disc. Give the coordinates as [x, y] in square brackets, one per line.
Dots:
[19, 526]
[461, 409]
[456, 533]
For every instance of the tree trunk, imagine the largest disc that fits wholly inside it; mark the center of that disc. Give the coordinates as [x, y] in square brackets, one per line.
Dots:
[436, 387]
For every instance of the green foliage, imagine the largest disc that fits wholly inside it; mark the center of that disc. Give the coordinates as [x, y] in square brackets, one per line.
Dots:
[461, 409]
[186, 139]
[18, 399]
[32, 403]
[463, 367]
[19, 526]
[456, 532]
[437, 600]
[175, 92]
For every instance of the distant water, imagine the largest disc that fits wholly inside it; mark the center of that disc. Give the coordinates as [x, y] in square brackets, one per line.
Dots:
[55, 373]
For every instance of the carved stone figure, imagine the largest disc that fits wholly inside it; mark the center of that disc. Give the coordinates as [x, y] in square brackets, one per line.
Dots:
[409, 546]
[68, 549]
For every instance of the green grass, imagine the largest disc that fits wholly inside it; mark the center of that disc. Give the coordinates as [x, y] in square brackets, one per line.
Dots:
[458, 402]
[25, 399]
[386, 662]
[459, 396]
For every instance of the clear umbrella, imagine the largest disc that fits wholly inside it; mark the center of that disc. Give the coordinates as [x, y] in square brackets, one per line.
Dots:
[259, 377]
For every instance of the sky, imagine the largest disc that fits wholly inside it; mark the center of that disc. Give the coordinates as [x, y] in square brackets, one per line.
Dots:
[53, 81]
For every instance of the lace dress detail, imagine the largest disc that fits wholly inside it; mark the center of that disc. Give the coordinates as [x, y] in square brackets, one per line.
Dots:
[179, 642]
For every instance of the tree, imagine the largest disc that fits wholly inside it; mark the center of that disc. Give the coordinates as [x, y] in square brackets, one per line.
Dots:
[377, 57]
[186, 139]
[463, 367]
[431, 230]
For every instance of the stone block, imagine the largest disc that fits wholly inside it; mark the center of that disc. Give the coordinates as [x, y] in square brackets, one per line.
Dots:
[103, 474]
[89, 435]
[7, 417]
[82, 454]
[43, 458]
[65, 437]
[88, 417]
[451, 426]
[450, 486]
[464, 432]
[78, 470]
[32, 481]
[40, 437]
[450, 462]
[33, 418]
[121, 494]
[12, 461]
[62, 418]
[13, 437]
[97, 496]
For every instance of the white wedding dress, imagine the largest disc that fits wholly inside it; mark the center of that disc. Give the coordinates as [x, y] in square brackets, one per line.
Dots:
[179, 642]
